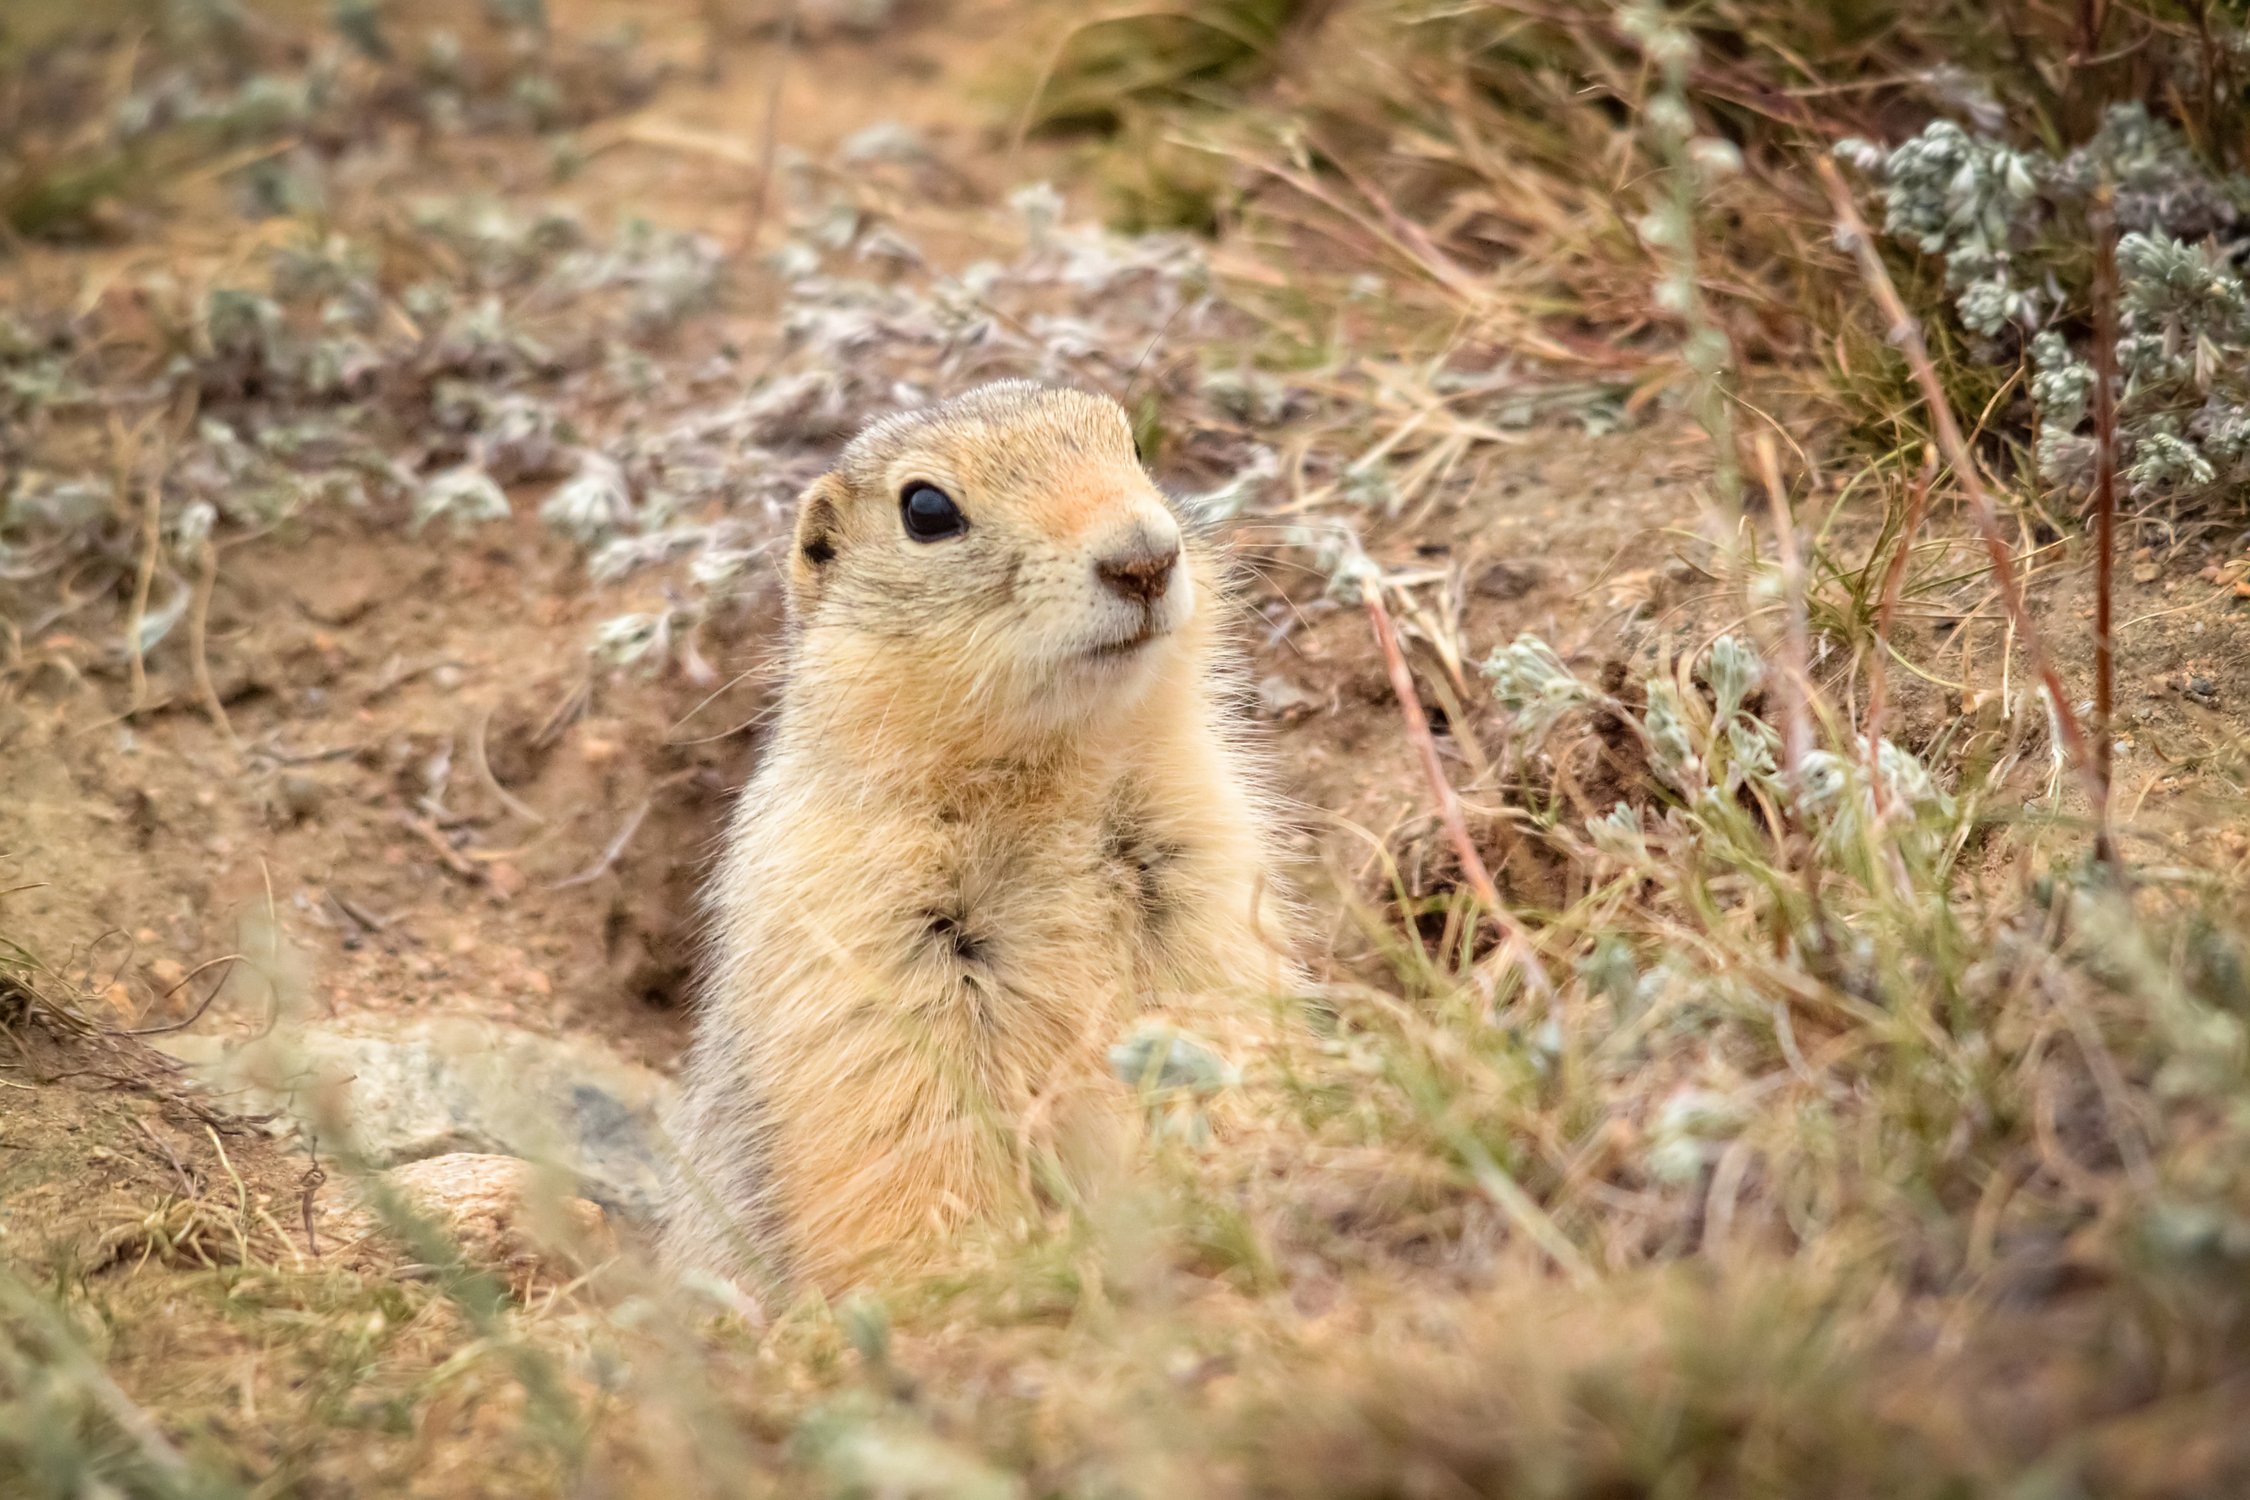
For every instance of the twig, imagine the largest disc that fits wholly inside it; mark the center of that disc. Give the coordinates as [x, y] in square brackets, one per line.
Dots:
[309, 1188]
[1906, 334]
[2104, 224]
[1796, 718]
[600, 867]
[187, 1178]
[1515, 942]
[241, 1198]
[144, 574]
[508, 799]
[2092, 15]
[665, 136]
[429, 833]
[230, 960]
[1796, 695]
[714, 19]
[786, 44]
[373, 921]
[127, 448]
[1894, 579]
[207, 578]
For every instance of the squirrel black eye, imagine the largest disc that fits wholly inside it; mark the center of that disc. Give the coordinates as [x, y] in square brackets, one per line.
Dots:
[930, 514]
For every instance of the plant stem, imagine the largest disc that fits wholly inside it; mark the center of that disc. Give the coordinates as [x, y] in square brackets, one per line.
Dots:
[144, 574]
[785, 47]
[1906, 334]
[2104, 223]
[1894, 580]
[1796, 701]
[1796, 640]
[1515, 942]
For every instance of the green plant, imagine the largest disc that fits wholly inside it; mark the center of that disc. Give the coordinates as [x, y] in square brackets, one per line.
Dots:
[2013, 229]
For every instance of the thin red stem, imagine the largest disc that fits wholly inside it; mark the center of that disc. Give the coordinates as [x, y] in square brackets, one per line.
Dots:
[2104, 221]
[1515, 942]
[1906, 334]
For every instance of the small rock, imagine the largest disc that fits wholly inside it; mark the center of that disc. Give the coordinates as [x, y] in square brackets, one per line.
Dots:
[506, 880]
[338, 598]
[884, 141]
[2147, 573]
[1280, 698]
[299, 796]
[503, 1212]
[1160, 1059]
[424, 1088]
[1505, 581]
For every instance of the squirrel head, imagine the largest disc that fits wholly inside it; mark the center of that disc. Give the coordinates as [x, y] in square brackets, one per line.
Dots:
[996, 570]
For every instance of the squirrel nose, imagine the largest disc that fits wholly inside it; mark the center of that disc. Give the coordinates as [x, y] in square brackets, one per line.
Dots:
[1140, 575]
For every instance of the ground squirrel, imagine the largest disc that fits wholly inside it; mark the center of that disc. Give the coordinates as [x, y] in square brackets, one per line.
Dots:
[1002, 809]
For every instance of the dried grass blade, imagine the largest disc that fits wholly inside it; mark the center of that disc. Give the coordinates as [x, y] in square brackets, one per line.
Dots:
[1515, 942]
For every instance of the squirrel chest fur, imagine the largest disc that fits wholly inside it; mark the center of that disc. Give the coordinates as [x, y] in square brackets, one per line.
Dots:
[1002, 811]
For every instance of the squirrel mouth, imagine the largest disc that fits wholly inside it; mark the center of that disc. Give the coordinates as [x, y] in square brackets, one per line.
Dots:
[1110, 650]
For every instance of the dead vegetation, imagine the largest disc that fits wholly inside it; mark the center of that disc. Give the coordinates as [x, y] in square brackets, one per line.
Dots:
[1781, 1025]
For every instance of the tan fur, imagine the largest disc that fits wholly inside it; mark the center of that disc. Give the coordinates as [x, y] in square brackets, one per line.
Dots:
[972, 852]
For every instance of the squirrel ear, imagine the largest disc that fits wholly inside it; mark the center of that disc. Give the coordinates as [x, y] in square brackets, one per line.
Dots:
[820, 526]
